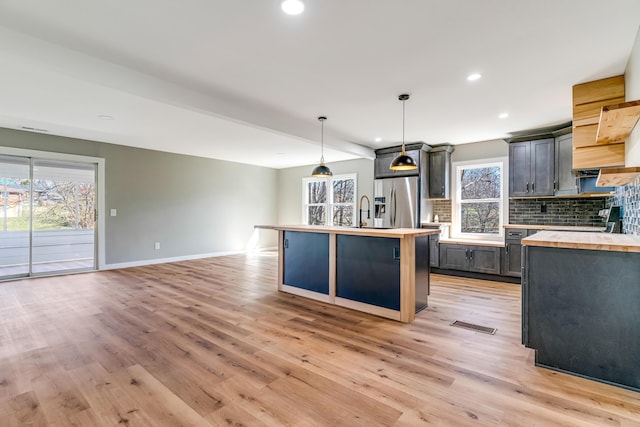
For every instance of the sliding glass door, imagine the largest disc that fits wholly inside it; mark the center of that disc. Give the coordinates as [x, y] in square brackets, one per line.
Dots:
[53, 229]
[15, 173]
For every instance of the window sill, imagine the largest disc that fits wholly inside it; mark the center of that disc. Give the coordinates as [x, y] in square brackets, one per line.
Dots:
[476, 242]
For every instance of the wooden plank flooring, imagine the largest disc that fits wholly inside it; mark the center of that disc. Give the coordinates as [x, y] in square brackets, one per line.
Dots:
[211, 342]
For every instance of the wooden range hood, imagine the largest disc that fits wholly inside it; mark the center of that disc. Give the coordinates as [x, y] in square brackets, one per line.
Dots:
[615, 125]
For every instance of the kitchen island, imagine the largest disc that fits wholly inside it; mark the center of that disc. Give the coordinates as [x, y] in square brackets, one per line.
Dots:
[580, 304]
[384, 272]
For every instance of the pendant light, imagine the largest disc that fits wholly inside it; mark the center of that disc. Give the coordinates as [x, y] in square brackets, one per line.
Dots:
[322, 171]
[403, 162]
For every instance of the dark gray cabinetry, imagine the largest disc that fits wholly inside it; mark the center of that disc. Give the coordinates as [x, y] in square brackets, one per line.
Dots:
[440, 172]
[306, 261]
[434, 250]
[580, 312]
[368, 270]
[531, 168]
[565, 179]
[418, 152]
[473, 258]
[512, 255]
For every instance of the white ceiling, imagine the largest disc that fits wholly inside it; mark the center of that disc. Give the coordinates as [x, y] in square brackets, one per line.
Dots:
[241, 81]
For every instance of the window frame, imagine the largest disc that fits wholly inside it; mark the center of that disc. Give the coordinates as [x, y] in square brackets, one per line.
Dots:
[329, 203]
[456, 202]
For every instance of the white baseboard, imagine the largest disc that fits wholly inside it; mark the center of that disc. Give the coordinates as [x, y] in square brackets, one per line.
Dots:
[165, 260]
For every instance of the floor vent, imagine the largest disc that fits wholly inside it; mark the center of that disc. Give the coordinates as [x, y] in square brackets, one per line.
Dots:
[477, 328]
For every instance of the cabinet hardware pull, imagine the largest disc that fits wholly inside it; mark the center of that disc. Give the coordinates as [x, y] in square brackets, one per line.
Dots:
[286, 243]
[533, 186]
[527, 187]
[554, 185]
[396, 253]
[506, 248]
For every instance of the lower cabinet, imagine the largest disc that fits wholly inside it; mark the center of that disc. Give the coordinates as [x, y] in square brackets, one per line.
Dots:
[368, 270]
[306, 261]
[434, 250]
[473, 258]
[512, 259]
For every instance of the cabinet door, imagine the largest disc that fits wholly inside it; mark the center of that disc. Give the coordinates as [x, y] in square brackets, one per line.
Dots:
[565, 178]
[306, 261]
[368, 270]
[512, 259]
[542, 167]
[434, 251]
[454, 257]
[439, 175]
[383, 161]
[519, 169]
[484, 259]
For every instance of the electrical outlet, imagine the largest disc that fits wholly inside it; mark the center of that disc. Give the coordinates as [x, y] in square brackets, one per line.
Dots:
[157, 246]
[114, 212]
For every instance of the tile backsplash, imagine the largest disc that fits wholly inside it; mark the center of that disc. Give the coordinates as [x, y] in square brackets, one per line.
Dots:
[579, 211]
[629, 198]
[442, 208]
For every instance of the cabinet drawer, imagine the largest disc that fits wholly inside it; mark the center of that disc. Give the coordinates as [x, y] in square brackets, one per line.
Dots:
[515, 234]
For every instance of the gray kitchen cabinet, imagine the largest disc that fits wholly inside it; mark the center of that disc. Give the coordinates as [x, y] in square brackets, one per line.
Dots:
[473, 258]
[440, 172]
[434, 250]
[532, 168]
[512, 255]
[565, 179]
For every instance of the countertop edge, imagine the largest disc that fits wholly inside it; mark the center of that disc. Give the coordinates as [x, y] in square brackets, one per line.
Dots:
[554, 227]
[371, 232]
[581, 240]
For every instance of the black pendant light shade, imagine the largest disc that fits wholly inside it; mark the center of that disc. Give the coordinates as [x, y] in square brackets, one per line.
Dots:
[403, 162]
[322, 171]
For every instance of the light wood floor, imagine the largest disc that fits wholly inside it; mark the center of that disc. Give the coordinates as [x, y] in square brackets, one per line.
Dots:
[211, 342]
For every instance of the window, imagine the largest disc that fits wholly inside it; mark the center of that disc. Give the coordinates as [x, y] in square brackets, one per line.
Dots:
[479, 205]
[329, 201]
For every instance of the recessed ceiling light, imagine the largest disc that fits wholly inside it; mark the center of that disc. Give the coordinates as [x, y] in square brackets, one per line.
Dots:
[378, 139]
[503, 115]
[105, 117]
[473, 77]
[292, 7]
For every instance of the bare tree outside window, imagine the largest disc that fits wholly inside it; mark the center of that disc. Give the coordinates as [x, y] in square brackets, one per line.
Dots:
[317, 193]
[343, 198]
[480, 198]
[329, 201]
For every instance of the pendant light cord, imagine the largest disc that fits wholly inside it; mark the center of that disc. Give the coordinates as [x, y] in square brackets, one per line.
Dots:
[321, 141]
[403, 150]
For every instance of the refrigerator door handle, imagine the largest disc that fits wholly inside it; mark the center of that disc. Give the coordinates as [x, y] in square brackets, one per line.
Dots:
[393, 207]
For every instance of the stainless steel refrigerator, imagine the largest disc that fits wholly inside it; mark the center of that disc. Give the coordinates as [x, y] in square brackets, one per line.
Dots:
[397, 202]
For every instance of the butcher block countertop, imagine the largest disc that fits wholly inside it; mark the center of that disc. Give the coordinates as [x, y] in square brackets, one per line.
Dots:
[397, 233]
[592, 241]
[554, 227]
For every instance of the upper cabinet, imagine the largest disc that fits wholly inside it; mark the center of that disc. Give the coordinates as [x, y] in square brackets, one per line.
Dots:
[440, 172]
[565, 178]
[532, 168]
[588, 102]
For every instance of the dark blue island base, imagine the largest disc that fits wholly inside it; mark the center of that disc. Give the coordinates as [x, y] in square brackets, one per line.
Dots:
[382, 272]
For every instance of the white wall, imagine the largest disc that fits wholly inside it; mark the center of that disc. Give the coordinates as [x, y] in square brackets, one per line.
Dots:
[480, 150]
[632, 93]
[290, 186]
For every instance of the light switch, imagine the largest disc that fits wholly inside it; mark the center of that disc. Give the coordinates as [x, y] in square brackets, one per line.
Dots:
[114, 212]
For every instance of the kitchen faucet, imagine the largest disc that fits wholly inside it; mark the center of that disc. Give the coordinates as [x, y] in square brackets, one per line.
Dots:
[362, 223]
